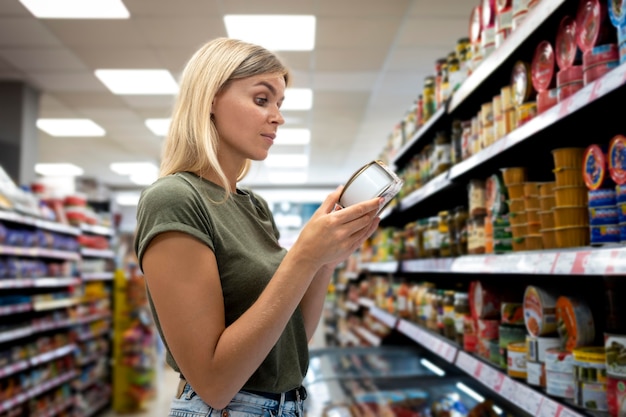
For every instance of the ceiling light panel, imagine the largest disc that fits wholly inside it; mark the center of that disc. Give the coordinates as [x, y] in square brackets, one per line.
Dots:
[292, 136]
[77, 9]
[297, 99]
[58, 170]
[274, 32]
[131, 168]
[158, 126]
[139, 82]
[70, 127]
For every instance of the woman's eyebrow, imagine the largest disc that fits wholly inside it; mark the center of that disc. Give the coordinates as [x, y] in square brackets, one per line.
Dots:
[269, 87]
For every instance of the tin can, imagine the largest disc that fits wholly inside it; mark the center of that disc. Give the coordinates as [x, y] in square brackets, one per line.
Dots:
[539, 311]
[516, 360]
[538, 346]
[525, 113]
[574, 322]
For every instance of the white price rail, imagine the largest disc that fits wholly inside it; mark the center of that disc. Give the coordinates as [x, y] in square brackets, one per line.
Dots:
[390, 267]
[438, 346]
[430, 188]
[366, 302]
[427, 265]
[388, 319]
[368, 336]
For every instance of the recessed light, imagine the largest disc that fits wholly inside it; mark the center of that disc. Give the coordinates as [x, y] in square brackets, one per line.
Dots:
[58, 170]
[127, 199]
[297, 99]
[70, 127]
[273, 32]
[77, 9]
[158, 126]
[144, 178]
[287, 160]
[288, 177]
[292, 136]
[130, 168]
[138, 82]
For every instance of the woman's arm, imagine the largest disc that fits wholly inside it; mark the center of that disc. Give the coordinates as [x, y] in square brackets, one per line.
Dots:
[217, 360]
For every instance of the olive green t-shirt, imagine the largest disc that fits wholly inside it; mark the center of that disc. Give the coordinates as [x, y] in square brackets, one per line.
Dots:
[242, 234]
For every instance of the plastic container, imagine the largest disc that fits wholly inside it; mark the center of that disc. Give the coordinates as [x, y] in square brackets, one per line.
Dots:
[547, 203]
[569, 177]
[568, 157]
[569, 89]
[595, 168]
[374, 179]
[589, 23]
[518, 218]
[539, 311]
[516, 360]
[575, 323]
[600, 54]
[534, 242]
[572, 237]
[513, 175]
[517, 205]
[519, 230]
[609, 233]
[538, 346]
[531, 203]
[590, 364]
[533, 229]
[532, 217]
[542, 67]
[572, 216]
[547, 99]
[531, 189]
[615, 349]
[519, 244]
[546, 220]
[602, 197]
[616, 156]
[616, 396]
[600, 216]
[548, 236]
[546, 189]
[572, 74]
[559, 360]
[591, 396]
[516, 191]
[620, 194]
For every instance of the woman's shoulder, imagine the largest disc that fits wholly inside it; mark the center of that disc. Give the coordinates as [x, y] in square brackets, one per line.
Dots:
[174, 188]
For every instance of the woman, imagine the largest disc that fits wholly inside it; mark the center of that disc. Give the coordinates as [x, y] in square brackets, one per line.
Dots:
[235, 310]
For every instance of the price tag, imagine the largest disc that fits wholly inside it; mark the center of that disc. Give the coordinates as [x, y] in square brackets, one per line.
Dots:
[580, 262]
[466, 363]
[598, 262]
[509, 388]
[566, 412]
[564, 263]
[617, 264]
[477, 370]
[488, 376]
[596, 89]
[529, 399]
[550, 408]
[498, 382]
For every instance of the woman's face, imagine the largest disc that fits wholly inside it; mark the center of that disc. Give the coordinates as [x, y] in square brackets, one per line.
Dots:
[247, 114]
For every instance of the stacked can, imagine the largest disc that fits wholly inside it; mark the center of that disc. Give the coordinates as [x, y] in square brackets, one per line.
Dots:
[523, 93]
[485, 305]
[615, 347]
[617, 14]
[477, 214]
[488, 17]
[504, 20]
[542, 71]
[547, 203]
[596, 39]
[520, 10]
[514, 179]
[571, 217]
[603, 212]
[590, 389]
[617, 171]
[511, 331]
[475, 36]
[599, 61]
[536, 348]
[559, 366]
[569, 78]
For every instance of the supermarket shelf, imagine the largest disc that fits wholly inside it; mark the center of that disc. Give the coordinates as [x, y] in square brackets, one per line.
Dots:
[590, 93]
[14, 217]
[438, 345]
[95, 408]
[55, 282]
[54, 304]
[56, 409]
[407, 150]
[366, 302]
[381, 315]
[13, 368]
[34, 392]
[15, 334]
[528, 399]
[48, 356]
[16, 283]
[98, 276]
[15, 309]
[427, 265]
[368, 336]
[351, 306]
[429, 189]
[38, 253]
[532, 23]
[390, 267]
[97, 253]
[96, 229]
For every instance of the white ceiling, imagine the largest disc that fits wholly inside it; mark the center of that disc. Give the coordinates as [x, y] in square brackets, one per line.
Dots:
[367, 68]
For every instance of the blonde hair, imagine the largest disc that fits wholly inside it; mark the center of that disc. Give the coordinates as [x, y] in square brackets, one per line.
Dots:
[192, 141]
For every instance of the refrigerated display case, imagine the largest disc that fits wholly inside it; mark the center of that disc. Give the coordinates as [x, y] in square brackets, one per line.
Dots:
[390, 381]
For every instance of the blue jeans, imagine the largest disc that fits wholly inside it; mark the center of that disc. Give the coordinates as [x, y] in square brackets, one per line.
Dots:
[189, 404]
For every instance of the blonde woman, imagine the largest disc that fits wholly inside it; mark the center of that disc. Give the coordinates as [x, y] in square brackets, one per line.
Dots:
[234, 309]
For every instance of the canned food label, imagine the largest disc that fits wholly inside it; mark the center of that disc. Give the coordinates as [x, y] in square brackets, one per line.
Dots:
[615, 355]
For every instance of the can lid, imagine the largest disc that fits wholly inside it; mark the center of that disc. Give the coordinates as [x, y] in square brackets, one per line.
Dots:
[590, 354]
[520, 82]
[488, 12]
[565, 45]
[594, 167]
[588, 22]
[475, 25]
[617, 12]
[617, 159]
[542, 66]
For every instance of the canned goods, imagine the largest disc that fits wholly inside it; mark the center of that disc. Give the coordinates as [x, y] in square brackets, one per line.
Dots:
[616, 396]
[617, 159]
[535, 374]
[525, 112]
[559, 360]
[590, 364]
[539, 311]
[574, 322]
[615, 348]
[538, 346]
[591, 396]
[516, 360]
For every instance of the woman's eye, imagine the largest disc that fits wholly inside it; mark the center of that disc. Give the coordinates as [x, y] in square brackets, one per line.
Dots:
[260, 101]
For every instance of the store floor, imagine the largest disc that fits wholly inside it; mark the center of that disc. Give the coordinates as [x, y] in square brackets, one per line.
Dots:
[168, 381]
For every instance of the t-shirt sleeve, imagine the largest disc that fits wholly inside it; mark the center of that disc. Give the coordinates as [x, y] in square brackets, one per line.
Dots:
[169, 205]
[261, 201]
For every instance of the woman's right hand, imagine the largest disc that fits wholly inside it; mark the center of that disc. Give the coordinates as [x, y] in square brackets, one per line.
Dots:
[331, 235]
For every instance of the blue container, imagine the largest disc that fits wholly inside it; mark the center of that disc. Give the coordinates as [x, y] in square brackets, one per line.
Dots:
[602, 197]
[622, 232]
[620, 194]
[609, 233]
[599, 216]
[621, 212]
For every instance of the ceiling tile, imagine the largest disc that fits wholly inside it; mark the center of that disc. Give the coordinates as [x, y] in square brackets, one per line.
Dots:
[190, 31]
[362, 8]
[96, 33]
[268, 7]
[433, 32]
[169, 8]
[118, 58]
[80, 100]
[350, 59]
[66, 81]
[43, 59]
[352, 32]
[26, 32]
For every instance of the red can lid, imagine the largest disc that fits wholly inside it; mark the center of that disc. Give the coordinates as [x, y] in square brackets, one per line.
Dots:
[600, 55]
[521, 83]
[565, 46]
[488, 12]
[475, 26]
[501, 5]
[588, 22]
[617, 159]
[542, 66]
[594, 167]
[569, 75]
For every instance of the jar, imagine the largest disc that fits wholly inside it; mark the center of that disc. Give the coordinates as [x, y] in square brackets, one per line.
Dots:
[466, 140]
[429, 100]
[444, 235]
[456, 139]
[422, 226]
[478, 235]
[452, 234]
[419, 111]
[441, 81]
[448, 315]
[422, 302]
[402, 298]
[460, 228]
[430, 308]
[442, 154]
[454, 74]
[432, 238]
[410, 241]
[461, 311]
[477, 198]
[438, 309]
